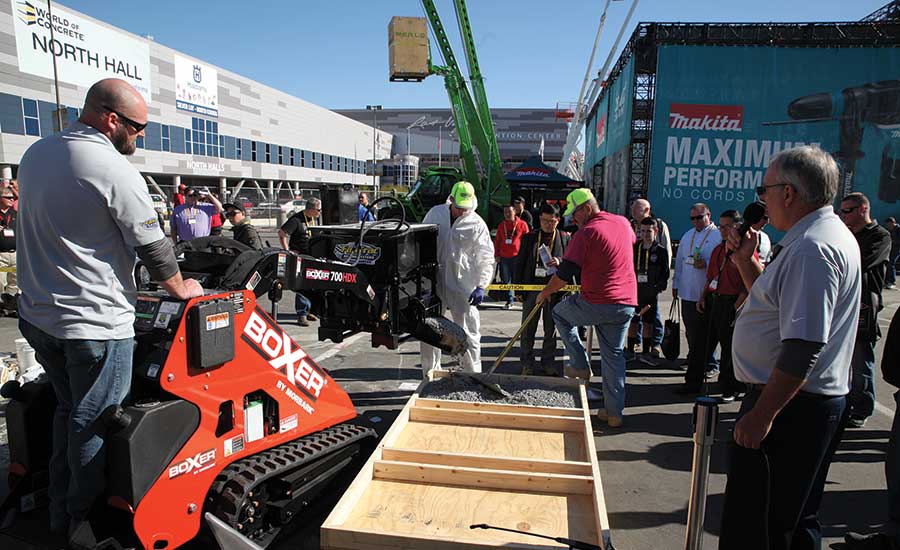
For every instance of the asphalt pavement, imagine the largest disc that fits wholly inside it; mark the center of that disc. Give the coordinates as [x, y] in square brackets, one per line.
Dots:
[645, 465]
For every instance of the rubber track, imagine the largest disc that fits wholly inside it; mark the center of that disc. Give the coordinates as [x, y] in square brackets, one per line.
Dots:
[230, 489]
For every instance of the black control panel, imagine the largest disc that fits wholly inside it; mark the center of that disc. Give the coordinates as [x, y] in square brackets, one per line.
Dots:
[157, 312]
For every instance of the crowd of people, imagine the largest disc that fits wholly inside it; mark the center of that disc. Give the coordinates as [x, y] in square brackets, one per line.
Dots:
[795, 324]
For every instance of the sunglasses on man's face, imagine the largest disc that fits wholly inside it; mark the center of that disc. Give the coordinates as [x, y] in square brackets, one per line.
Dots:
[137, 126]
[697, 218]
[849, 210]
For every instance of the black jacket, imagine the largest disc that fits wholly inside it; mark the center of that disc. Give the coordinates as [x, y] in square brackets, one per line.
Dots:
[247, 234]
[655, 263]
[890, 357]
[526, 260]
[875, 248]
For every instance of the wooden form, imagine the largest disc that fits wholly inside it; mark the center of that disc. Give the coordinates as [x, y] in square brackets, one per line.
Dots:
[445, 465]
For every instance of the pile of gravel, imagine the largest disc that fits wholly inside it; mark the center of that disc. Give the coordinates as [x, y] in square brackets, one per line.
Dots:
[525, 392]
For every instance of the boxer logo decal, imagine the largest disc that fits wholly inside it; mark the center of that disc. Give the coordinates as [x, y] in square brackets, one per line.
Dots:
[283, 354]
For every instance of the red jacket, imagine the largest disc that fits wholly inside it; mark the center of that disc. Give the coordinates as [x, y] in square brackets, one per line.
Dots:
[512, 232]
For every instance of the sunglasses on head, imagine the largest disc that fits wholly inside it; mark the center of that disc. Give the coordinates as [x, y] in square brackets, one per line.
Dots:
[137, 126]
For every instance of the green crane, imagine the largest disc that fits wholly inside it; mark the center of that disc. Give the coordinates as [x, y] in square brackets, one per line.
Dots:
[474, 128]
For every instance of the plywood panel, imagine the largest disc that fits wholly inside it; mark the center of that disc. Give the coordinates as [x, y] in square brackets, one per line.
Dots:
[497, 419]
[481, 477]
[496, 407]
[423, 511]
[485, 461]
[493, 441]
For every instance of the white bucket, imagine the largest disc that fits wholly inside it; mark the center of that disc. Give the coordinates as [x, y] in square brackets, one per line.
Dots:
[29, 367]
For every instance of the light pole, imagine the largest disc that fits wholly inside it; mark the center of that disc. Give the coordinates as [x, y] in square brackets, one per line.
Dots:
[374, 109]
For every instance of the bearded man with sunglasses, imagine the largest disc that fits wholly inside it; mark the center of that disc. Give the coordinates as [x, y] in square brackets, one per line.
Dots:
[84, 218]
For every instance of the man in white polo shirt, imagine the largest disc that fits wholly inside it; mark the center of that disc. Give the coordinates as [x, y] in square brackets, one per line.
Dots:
[694, 251]
[792, 346]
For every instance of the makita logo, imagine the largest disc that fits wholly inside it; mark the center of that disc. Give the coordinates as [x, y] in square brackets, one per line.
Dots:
[283, 354]
[196, 464]
[710, 118]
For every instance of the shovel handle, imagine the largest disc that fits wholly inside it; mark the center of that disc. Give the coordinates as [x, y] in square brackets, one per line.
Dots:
[512, 341]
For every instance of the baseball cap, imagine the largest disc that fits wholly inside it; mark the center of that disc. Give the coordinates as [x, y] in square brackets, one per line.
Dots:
[463, 195]
[576, 198]
[228, 205]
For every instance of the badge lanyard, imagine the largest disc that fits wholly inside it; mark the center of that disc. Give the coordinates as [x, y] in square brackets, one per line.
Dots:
[646, 258]
[708, 231]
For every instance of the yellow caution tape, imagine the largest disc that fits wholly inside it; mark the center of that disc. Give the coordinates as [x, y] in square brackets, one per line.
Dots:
[7, 270]
[567, 288]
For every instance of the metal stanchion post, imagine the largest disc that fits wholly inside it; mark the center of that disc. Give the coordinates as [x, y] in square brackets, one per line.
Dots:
[706, 417]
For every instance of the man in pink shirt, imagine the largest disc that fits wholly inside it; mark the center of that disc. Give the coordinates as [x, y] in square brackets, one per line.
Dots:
[603, 251]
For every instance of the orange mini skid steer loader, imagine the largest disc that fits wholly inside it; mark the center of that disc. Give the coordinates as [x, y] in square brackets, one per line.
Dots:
[230, 427]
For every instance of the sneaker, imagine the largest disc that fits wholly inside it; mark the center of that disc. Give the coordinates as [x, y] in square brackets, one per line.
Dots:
[856, 422]
[571, 372]
[612, 421]
[312, 318]
[727, 397]
[509, 305]
[712, 373]
[303, 322]
[890, 286]
[656, 351]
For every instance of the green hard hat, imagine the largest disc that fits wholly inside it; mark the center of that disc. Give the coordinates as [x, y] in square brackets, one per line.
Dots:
[463, 195]
[576, 198]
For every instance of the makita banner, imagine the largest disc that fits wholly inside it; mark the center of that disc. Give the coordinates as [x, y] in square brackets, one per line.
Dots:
[608, 142]
[722, 112]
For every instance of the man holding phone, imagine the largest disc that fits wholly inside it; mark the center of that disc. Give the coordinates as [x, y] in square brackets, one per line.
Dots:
[194, 218]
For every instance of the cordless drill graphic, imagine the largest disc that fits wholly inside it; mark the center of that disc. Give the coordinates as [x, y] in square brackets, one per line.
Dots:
[877, 105]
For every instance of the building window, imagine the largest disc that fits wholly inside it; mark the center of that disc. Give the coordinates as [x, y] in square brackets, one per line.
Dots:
[315, 158]
[165, 138]
[280, 154]
[187, 141]
[221, 145]
[238, 148]
[253, 151]
[292, 157]
[268, 153]
[139, 142]
[30, 115]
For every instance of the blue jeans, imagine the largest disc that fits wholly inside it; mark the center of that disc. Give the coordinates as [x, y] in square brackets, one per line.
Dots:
[611, 324]
[657, 331]
[507, 268]
[890, 277]
[301, 305]
[773, 493]
[87, 377]
[862, 382]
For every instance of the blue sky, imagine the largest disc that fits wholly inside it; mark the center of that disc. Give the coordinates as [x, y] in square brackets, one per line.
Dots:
[334, 53]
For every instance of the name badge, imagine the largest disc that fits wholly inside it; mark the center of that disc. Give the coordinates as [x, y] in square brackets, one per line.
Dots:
[8, 233]
[714, 284]
[689, 260]
[191, 221]
[642, 277]
[508, 241]
[540, 272]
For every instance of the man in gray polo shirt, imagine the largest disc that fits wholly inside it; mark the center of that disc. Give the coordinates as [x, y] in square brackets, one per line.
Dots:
[85, 212]
[793, 341]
